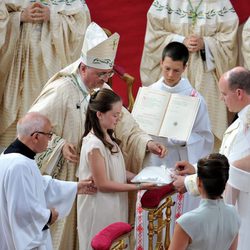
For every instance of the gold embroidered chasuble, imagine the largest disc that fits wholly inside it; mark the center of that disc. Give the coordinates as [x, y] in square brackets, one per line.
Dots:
[30, 53]
[59, 101]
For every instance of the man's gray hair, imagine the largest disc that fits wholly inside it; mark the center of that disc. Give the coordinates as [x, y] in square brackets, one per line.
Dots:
[31, 123]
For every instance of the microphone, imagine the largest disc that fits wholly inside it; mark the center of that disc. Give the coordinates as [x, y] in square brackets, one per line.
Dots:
[78, 104]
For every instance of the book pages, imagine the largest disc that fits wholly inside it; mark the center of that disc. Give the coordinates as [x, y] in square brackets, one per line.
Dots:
[163, 114]
[179, 117]
[149, 109]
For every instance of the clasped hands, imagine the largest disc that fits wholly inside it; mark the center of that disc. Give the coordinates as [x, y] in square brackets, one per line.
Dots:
[194, 43]
[35, 13]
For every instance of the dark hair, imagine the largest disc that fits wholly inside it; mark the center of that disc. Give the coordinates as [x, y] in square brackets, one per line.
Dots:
[239, 79]
[213, 172]
[101, 101]
[176, 51]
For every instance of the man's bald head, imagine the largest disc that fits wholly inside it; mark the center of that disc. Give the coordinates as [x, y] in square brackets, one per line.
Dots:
[30, 123]
[238, 78]
[34, 130]
[234, 86]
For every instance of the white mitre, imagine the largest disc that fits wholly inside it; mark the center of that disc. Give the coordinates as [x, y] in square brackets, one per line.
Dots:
[99, 50]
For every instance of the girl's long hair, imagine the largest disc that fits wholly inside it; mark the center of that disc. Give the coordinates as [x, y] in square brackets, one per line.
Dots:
[102, 101]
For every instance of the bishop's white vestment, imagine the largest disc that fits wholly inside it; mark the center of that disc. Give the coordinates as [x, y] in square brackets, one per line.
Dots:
[64, 100]
[31, 53]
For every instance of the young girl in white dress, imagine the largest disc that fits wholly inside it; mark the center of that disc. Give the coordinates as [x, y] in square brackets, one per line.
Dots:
[102, 159]
[214, 224]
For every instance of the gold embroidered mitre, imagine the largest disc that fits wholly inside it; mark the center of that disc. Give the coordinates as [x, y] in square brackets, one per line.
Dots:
[99, 50]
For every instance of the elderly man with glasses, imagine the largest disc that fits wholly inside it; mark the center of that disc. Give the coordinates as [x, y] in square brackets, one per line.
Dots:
[64, 100]
[30, 202]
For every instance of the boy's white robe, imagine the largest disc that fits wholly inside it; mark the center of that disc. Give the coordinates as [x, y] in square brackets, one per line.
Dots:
[216, 23]
[199, 145]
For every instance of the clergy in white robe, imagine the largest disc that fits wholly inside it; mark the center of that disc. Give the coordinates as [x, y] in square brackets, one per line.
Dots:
[245, 49]
[235, 146]
[25, 202]
[215, 23]
[64, 100]
[32, 51]
[30, 202]
[200, 142]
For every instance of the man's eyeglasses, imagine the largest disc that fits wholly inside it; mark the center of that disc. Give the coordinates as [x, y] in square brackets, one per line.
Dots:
[43, 133]
[104, 75]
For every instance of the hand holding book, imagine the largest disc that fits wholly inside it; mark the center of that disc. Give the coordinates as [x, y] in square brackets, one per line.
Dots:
[163, 114]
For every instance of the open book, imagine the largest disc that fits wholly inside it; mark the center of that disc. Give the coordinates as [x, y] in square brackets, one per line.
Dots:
[163, 114]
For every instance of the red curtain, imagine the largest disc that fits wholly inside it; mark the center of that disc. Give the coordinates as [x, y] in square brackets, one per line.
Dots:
[128, 18]
[242, 8]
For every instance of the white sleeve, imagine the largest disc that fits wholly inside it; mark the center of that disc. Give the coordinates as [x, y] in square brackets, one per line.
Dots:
[59, 194]
[191, 184]
[201, 141]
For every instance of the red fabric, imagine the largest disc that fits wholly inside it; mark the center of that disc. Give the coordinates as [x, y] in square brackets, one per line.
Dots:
[119, 70]
[242, 8]
[128, 18]
[152, 198]
[104, 239]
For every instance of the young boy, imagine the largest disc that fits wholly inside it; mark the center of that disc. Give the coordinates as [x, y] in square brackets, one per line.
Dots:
[173, 64]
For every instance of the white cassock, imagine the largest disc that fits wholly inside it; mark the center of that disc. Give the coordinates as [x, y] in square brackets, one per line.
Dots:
[235, 145]
[217, 23]
[25, 201]
[200, 144]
